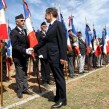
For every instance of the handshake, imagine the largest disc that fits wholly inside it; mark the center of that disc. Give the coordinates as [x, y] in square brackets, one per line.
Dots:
[29, 51]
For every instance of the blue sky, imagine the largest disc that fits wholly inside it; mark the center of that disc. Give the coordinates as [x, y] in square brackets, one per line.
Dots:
[95, 11]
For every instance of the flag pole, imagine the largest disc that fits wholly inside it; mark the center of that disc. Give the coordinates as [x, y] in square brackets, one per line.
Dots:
[37, 74]
[8, 64]
[60, 8]
[1, 83]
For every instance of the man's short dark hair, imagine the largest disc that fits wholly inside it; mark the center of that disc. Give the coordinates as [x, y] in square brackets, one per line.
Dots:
[69, 30]
[52, 11]
[79, 32]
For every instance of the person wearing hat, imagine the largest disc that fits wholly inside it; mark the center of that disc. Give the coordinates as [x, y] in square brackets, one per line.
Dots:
[82, 47]
[20, 55]
[71, 54]
[42, 54]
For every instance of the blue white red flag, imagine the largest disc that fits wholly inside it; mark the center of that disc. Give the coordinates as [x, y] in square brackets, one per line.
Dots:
[67, 36]
[75, 44]
[3, 26]
[105, 41]
[96, 44]
[30, 32]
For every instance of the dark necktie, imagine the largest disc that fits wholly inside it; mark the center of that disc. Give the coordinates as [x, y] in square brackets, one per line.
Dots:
[23, 31]
[49, 26]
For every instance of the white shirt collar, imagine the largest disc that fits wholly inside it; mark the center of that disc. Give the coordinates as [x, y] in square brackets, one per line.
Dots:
[19, 28]
[44, 32]
[53, 21]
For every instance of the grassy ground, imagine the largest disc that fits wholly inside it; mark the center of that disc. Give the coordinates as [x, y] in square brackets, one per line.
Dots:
[90, 92]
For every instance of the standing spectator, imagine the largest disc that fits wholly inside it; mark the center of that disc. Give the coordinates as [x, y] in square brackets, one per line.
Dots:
[71, 54]
[42, 52]
[82, 47]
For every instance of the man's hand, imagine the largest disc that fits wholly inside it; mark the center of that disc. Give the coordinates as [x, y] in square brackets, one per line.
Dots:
[93, 51]
[63, 61]
[79, 55]
[29, 51]
[41, 56]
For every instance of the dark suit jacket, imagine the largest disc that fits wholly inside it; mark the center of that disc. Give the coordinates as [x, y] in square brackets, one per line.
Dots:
[19, 43]
[56, 43]
[4, 50]
[42, 50]
[82, 47]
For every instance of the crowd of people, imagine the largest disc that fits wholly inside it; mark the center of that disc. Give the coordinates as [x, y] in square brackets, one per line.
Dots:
[53, 53]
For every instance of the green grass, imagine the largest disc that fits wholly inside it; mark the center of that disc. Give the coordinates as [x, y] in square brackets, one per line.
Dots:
[90, 92]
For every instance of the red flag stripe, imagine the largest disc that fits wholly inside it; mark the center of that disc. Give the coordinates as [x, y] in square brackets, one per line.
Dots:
[3, 32]
[32, 39]
[4, 3]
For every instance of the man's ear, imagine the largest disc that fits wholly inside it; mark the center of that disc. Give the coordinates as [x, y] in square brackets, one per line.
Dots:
[16, 22]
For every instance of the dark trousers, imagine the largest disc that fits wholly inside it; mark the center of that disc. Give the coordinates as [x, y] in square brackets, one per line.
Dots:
[21, 76]
[70, 65]
[94, 60]
[35, 66]
[4, 71]
[57, 70]
[45, 70]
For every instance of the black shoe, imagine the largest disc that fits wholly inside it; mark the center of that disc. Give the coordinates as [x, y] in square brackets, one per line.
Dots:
[71, 75]
[27, 92]
[85, 71]
[45, 85]
[54, 99]
[59, 104]
[5, 79]
[19, 95]
[81, 73]
[50, 82]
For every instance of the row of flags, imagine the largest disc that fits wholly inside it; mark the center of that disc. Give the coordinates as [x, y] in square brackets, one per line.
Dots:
[5, 30]
[4, 34]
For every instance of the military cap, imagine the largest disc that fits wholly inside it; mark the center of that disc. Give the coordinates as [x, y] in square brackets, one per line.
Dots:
[43, 23]
[19, 17]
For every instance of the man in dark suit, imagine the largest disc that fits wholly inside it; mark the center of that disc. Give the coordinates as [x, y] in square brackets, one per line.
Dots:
[56, 43]
[20, 55]
[42, 52]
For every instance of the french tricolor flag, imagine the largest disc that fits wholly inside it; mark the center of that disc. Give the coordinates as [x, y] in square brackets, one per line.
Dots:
[105, 41]
[75, 44]
[3, 26]
[96, 45]
[30, 32]
[67, 36]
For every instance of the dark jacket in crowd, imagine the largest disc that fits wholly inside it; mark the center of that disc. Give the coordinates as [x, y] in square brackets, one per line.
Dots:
[82, 47]
[42, 50]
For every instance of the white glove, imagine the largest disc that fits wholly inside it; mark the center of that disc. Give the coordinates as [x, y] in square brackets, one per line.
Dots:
[29, 51]
[79, 55]
[40, 56]
[93, 51]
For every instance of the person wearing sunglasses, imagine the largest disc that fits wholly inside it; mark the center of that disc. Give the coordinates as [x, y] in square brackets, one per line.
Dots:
[20, 55]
